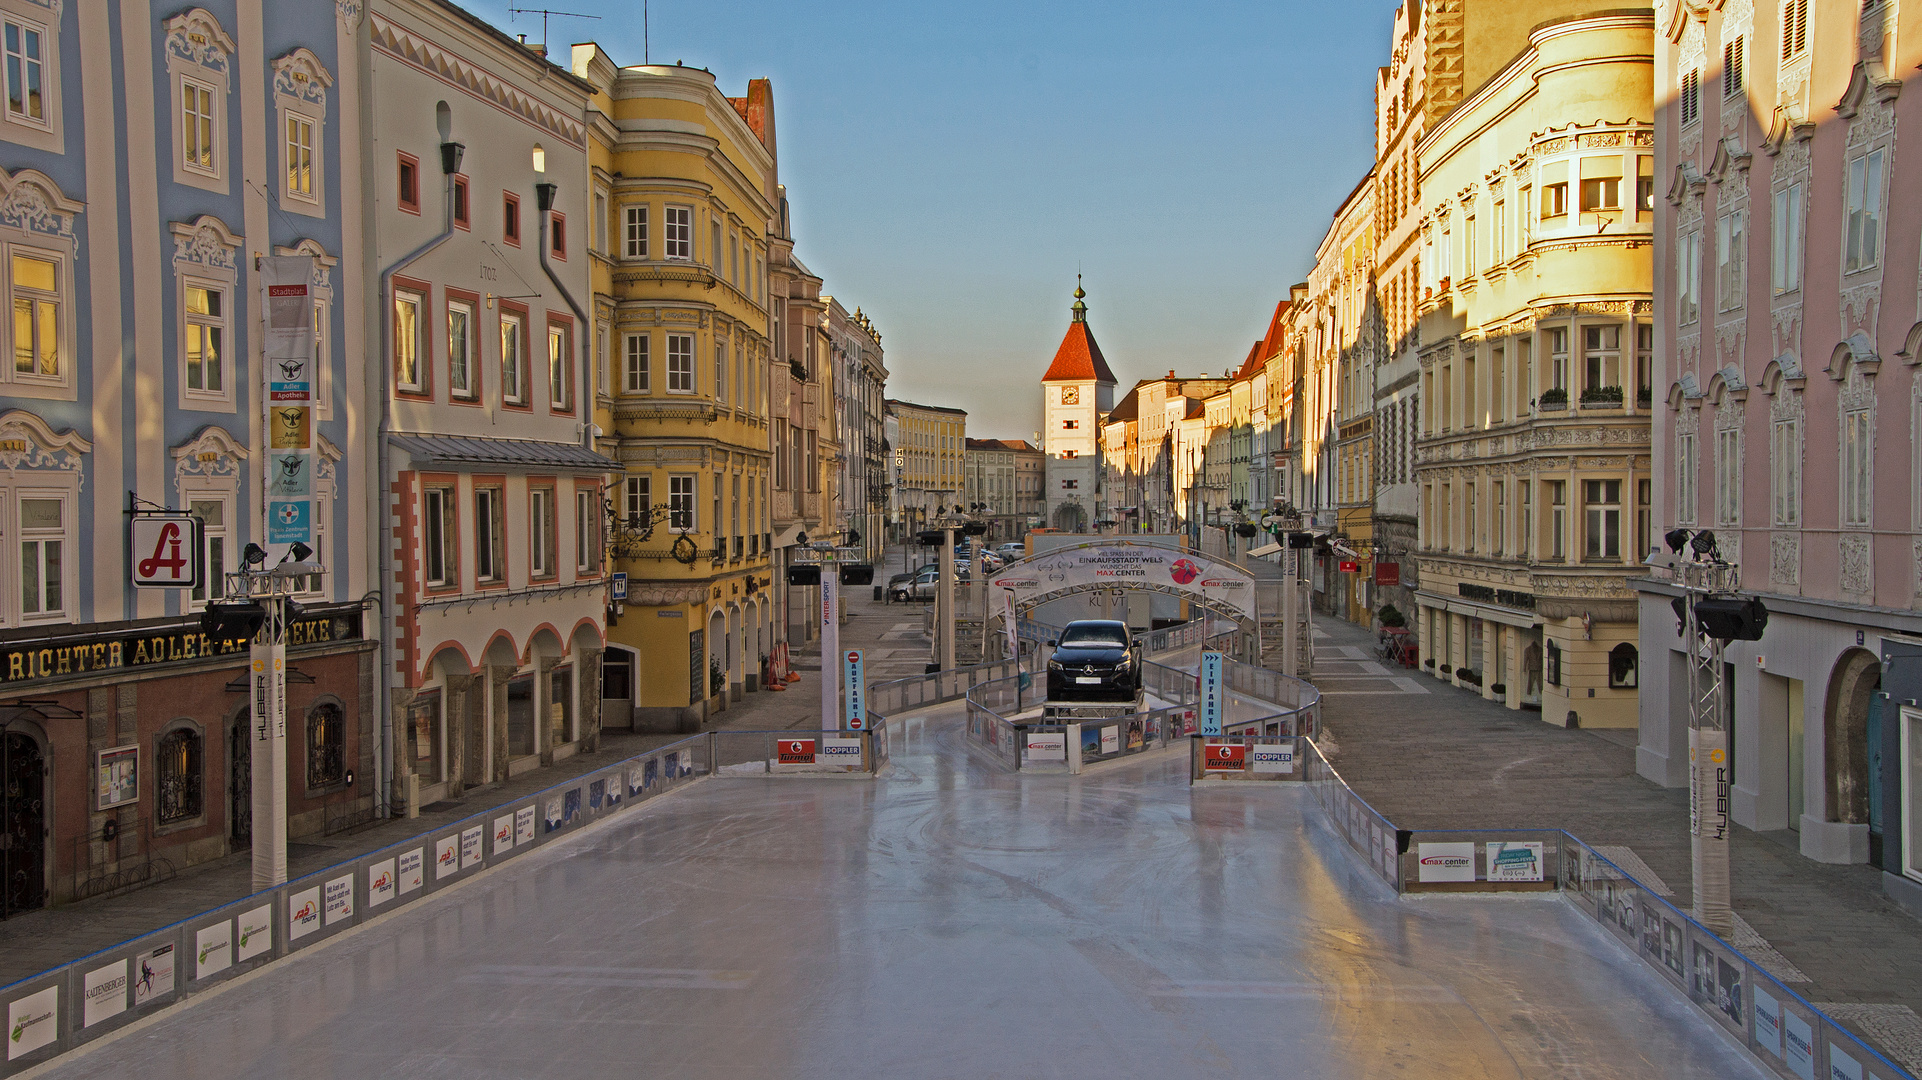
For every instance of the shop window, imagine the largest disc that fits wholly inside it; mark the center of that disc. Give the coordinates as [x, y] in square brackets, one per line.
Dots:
[1623, 667]
[520, 717]
[423, 733]
[560, 704]
[177, 783]
[326, 747]
[1553, 667]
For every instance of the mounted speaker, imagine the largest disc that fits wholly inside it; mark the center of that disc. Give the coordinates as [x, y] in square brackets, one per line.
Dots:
[804, 574]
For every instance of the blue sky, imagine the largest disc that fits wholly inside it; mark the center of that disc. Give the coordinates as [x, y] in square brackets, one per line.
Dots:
[950, 167]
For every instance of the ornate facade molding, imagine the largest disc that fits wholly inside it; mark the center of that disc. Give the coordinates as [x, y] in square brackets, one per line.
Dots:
[206, 242]
[28, 442]
[402, 44]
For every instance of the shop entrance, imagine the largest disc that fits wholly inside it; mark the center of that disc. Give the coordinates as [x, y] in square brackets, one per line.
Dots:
[23, 824]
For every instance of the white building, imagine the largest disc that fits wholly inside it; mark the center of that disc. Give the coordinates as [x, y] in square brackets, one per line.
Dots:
[1076, 392]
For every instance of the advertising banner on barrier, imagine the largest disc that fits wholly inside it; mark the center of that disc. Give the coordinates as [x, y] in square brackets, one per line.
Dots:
[103, 993]
[524, 825]
[1447, 862]
[213, 948]
[339, 899]
[33, 1022]
[256, 937]
[1224, 757]
[1510, 861]
[794, 752]
[1274, 758]
[153, 976]
[411, 869]
[503, 834]
[1768, 1021]
[446, 856]
[303, 913]
[1798, 1044]
[380, 883]
[470, 847]
[841, 752]
[1049, 746]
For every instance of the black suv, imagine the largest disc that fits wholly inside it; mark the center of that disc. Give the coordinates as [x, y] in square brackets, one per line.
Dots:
[1095, 660]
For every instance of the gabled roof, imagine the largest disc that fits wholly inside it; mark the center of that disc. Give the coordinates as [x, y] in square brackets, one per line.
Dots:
[1128, 408]
[1251, 366]
[1277, 330]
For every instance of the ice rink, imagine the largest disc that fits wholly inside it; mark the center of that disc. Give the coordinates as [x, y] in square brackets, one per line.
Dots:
[949, 920]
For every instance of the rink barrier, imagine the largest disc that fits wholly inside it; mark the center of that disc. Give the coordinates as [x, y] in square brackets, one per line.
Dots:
[1777, 1025]
[64, 1008]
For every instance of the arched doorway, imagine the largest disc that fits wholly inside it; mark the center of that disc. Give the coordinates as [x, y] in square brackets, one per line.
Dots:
[731, 661]
[1069, 517]
[1532, 674]
[240, 784]
[23, 823]
[716, 657]
[1850, 743]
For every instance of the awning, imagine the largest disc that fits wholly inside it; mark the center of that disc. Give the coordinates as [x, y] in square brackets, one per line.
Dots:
[467, 452]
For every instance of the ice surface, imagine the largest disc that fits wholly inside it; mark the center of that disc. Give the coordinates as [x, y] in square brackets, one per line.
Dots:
[949, 920]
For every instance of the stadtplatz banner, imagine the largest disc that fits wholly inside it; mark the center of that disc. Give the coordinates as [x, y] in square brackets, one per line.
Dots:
[287, 395]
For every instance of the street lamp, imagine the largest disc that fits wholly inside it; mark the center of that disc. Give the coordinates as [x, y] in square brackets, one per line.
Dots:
[1710, 615]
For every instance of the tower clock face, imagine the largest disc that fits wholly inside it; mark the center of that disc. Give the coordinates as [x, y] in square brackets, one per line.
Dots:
[1071, 395]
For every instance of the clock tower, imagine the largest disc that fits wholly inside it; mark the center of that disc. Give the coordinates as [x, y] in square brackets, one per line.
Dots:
[1075, 393]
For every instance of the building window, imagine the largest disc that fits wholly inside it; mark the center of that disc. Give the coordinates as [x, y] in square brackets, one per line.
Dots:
[300, 158]
[1601, 357]
[26, 73]
[1527, 493]
[408, 346]
[680, 363]
[1644, 362]
[720, 371]
[680, 233]
[1865, 212]
[636, 232]
[1555, 200]
[587, 531]
[490, 547]
[1552, 652]
[600, 221]
[1501, 519]
[1070, 485]
[513, 358]
[407, 191]
[205, 355]
[1602, 193]
[541, 534]
[638, 363]
[1691, 97]
[1471, 518]
[637, 505]
[1604, 499]
[511, 218]
[1858, 467]
[43, 538]
[1558, 519]
[37, 348]
[1732, 74]
[680, 503]
[461, 364]
[1070, 425]
[557, 235]
[1688, 280]
[326, 747]
[1731, 260]
[1623, 667]
[463, 208]
[1728, 477]
[198, 122]
[1785, 461]
[560, 368]
[1558, 358]
[177, 768]
[1785, 241]
[1795, 28]
[437, 537]
[1685, 478]
[1645, 184]
[214, 540]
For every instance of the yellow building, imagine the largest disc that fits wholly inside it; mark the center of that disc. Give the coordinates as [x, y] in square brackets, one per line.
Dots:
[684, 197]
[930, 462]
[1535, 342]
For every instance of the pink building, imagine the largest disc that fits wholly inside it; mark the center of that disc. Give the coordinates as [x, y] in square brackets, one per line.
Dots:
[1789, 326]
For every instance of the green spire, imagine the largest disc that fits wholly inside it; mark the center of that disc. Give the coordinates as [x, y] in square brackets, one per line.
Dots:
[1080, 308]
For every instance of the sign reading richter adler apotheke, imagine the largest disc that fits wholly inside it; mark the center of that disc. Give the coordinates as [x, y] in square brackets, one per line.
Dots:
[66, 657]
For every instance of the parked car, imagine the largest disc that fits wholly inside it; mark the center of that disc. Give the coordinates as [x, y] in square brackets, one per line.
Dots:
[921, 586]
[1012, 552]
[1095, 660]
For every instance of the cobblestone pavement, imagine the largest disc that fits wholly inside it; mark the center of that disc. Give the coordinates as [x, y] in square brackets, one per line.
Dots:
[39, 940]
[1447, 758]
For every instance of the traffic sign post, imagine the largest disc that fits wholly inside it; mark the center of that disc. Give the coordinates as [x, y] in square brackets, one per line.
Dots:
[857, 706]
[1211, 693]
[830, 641]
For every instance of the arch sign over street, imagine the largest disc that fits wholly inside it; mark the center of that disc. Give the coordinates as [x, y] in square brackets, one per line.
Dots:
[1123, 564]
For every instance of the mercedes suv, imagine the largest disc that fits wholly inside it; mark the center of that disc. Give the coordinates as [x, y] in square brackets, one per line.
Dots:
[1094, 660]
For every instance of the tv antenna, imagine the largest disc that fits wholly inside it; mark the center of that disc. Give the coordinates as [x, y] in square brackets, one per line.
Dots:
[544, 13]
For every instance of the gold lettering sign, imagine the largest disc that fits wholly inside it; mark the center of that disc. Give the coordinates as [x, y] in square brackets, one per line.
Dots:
[29, 662]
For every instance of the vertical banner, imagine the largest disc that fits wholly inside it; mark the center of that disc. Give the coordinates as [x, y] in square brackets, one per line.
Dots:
[288, 396]
[857, 707]
[830, 644]
[1005, 604]
[268, 673]
[1708, 784]
[1211, 693]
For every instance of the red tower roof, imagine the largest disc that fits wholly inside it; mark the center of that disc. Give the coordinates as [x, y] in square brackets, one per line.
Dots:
[1079, 359]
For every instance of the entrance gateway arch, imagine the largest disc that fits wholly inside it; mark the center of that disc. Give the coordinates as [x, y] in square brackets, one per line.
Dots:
[1102, 565]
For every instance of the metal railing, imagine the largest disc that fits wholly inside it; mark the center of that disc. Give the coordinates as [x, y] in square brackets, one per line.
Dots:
[1779, 1027]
